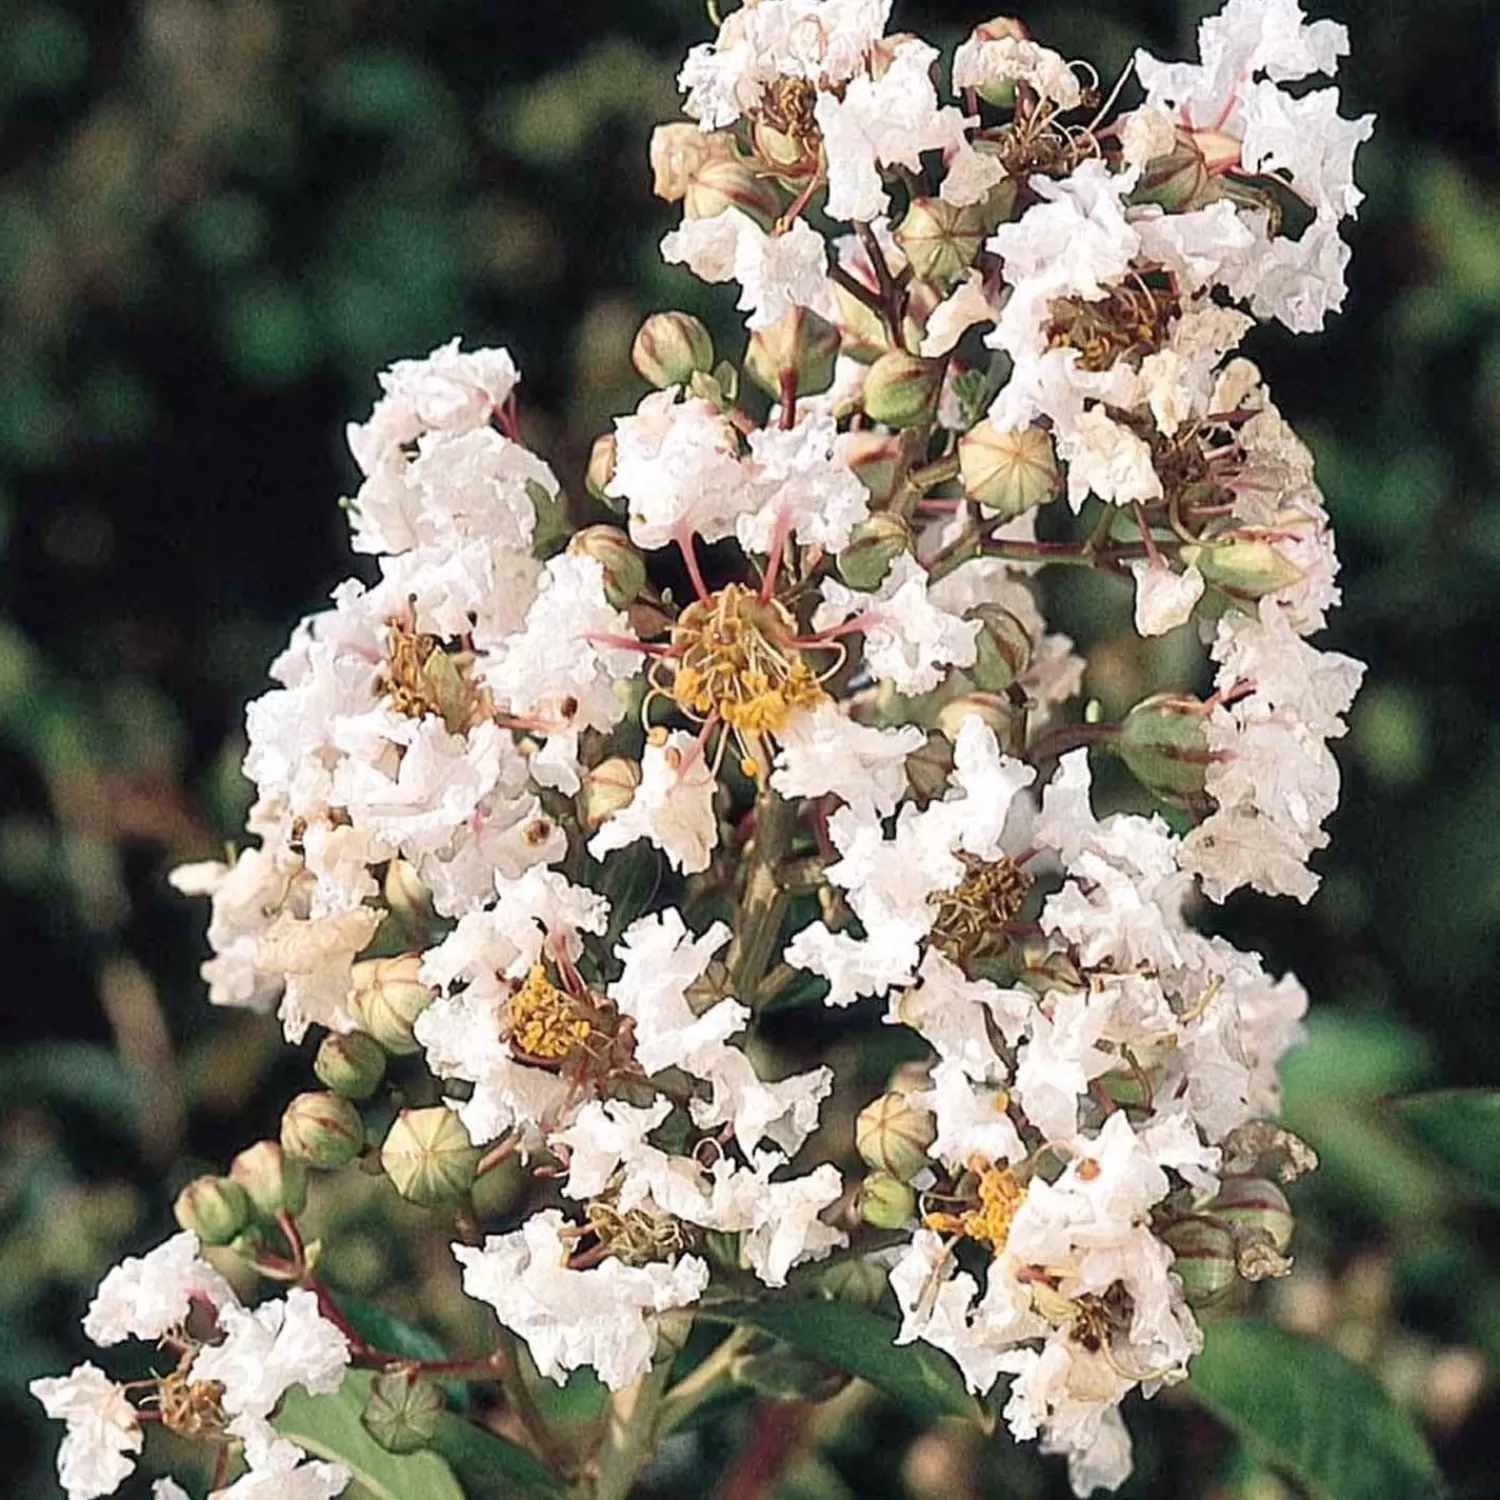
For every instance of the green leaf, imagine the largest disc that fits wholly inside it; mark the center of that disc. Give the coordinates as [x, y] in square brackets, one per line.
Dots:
[385, 1331]
[1301, 1407]
[329, 1427]
[490, 1467]
[926, 1382]
[1462, 1128]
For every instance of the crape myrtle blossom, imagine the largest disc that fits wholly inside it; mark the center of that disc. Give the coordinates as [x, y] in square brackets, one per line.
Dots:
[577, 797]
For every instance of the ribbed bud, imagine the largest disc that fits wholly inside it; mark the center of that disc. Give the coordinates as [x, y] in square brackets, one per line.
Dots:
[1164, 742]
[994, 711]
[670, 348]
[387, 999]
[1205, 1259]
[608, 788]
[939, 240]
[873, 546]
[428, 1156]
[1244, 569]
[1003, 649]
[799, 346]
[856, 1281]
[402, 1411]
[274, 1182]
[885, 1202]
[601, 469]
[1255, 1205]
[624, 568]
[679, 152]
[408, 899]
[786, 1374]
[892, 1135]
[724, 183]
[1008, 471]
[875, 459]
[216, 1209]
[1177, 181]
[350, 1065]
[928, 769]
[324, 1130]
[901, 389]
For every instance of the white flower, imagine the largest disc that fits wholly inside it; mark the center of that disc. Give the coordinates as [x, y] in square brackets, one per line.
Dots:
[168, 1489]
[776, 272]
[908, 639]
[673, 807]
[316, 957]
[809, 491]
[147, 1296]
[280, 1470]
[102, 1430]
[1108, 460]
[266, 1351]
[677, 467]
[1145, 135]
[967, 304]
[1164, 599]
[1056, 1064]
[604, 1317]
[981, 61]
[954, 1014]
[822, 750]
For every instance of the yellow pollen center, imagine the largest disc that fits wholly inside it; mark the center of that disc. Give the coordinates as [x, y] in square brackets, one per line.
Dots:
[420, 677]
[542, 1022]
[971, 918]
[1131, 321]
[1000, 1196]
[191, 1409]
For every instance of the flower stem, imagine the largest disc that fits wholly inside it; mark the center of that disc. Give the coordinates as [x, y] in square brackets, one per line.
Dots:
[763, 900]
[630, 1425]
[704, 1383]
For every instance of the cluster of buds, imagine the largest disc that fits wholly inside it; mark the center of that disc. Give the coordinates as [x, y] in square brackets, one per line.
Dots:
[553, 806]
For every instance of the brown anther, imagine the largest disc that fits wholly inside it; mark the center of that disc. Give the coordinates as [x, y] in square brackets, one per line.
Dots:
[1088, 1169]
[1128, 323]
[191, 1409]
[971, 919]
[536, 833]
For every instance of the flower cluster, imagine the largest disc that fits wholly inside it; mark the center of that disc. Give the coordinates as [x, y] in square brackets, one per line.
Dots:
[564, 797]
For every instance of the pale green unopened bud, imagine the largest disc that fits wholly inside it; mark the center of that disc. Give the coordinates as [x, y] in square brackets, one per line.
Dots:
[1255, 1205]
[607, 789]
[1003, 648]
[857, 1281]
[992, 710]
[428, 1156]
[387, 998]
[1008, 470]
[722, 184]
[601, 469]
[885, 1202]
[1164, 742]
[861, 328]
[216, 1209]
[350, 1065]
[408, 899]
[901, 389]
[1177, 181]
[1000, 203]
[670, 348]
[402, 1411]
[892, 1134]
[324, 1130]
[929, 768]
[786, 1374]
[940, 241]
[274, 1182]
[679, 152]
[875, 458]
[873, 546]
[1245, 569]
[624, 568]
[1205, 1259]
[799, 347]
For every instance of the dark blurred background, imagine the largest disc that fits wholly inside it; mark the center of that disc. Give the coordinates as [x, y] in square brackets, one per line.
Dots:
[219, 218]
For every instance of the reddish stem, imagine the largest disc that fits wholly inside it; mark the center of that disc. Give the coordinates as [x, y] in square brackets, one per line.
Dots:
[685, 544]
[773, 1441]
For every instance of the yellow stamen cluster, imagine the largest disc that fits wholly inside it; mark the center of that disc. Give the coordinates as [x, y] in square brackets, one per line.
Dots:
[191, 1409]
[638, 1237]
[1000, 1197]
[790, 106]
[1130, 322]
[732, 659]
[543, 1022]
[971, 919]
[421, 677]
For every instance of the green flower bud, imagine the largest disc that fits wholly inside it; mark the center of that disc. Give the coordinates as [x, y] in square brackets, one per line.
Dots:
[1205, 1259]
[726, 183]
[274, 1182]
[901, 389]
[1254, 1205]
[601, 469]
[216, 1209]
[992, 709]
[350, 1065]
[1244, 568]
[798, 345]
[1177, 181]
[402, 1411]
[428, 1156]
[679, 152]
[786, 1374]
[858, 1281]
[499, 1190]
[861, 329]
[409, 900]
[670, 348]
[324, 1130]
[892, 1135]
[928, 769]
[1003, 648]
[624, 568]
[939, 240]
[1008, 472]
[873, 546]
[1164, 742]
[387, 998]
[874, 457]
[885, 1202]
[607, 789]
